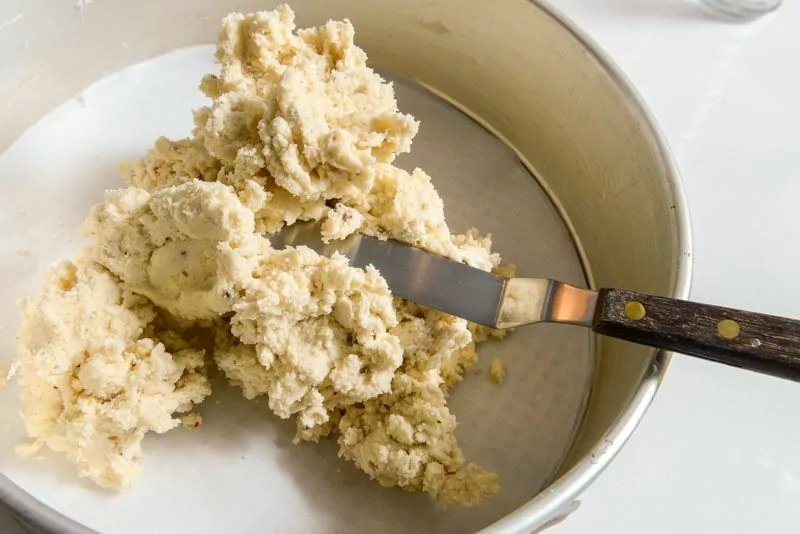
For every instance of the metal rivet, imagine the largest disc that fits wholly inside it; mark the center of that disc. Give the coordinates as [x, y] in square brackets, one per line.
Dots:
[634, 310]
[728, 329]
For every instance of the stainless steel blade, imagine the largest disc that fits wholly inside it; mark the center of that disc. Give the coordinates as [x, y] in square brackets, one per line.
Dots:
[450, 286]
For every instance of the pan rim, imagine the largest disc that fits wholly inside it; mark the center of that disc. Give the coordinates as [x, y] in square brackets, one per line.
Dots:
[557, 501]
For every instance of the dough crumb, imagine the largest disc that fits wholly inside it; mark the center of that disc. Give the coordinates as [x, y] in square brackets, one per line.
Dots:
[191, 420]
[341, 221]
[24, 252]
[509, 270]
[497, 370]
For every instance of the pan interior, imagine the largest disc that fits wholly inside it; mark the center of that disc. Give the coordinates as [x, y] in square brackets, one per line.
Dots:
[241, 463]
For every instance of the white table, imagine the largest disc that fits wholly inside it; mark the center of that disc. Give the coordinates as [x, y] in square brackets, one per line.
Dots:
[717, 452]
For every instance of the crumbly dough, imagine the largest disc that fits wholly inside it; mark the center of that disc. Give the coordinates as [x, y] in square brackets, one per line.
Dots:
[497, 370]
[91, 383]
[180, 275]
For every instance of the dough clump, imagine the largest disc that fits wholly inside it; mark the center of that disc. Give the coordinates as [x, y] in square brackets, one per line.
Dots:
[181, 275]
[497, 370]
[92, 383]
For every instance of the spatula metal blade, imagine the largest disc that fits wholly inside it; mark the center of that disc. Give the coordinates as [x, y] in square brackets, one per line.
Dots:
[411, 273]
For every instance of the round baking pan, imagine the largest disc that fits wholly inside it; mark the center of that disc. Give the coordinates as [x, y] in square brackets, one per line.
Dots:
[529, 132]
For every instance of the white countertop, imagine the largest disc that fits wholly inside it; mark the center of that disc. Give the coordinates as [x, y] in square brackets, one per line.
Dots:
[717, 450]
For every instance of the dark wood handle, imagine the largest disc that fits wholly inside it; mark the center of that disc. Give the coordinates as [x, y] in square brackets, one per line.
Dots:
[753, 341]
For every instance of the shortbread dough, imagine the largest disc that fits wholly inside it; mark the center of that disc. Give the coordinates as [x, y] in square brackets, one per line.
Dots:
[92, 382]
[497, 370]
[180, 275]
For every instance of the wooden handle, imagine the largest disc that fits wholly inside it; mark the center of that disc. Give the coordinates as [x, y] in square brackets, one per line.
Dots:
[753, 341]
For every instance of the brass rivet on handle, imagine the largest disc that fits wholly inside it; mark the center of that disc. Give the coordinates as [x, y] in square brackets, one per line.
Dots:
[634, 310]
[728, 329]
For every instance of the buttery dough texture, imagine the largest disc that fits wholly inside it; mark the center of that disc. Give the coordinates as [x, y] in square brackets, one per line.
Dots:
[92, 384]
[497, 370]
[181, 275]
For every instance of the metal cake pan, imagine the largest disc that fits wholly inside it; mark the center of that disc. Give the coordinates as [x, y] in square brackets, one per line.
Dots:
[529, 131]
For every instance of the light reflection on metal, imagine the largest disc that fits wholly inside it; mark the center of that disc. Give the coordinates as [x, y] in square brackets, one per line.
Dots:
[452, 287]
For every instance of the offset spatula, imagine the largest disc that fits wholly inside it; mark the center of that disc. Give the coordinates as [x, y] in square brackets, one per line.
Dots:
[753, 341]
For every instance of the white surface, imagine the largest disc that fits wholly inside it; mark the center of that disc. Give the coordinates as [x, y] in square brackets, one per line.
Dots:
[717, 451]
